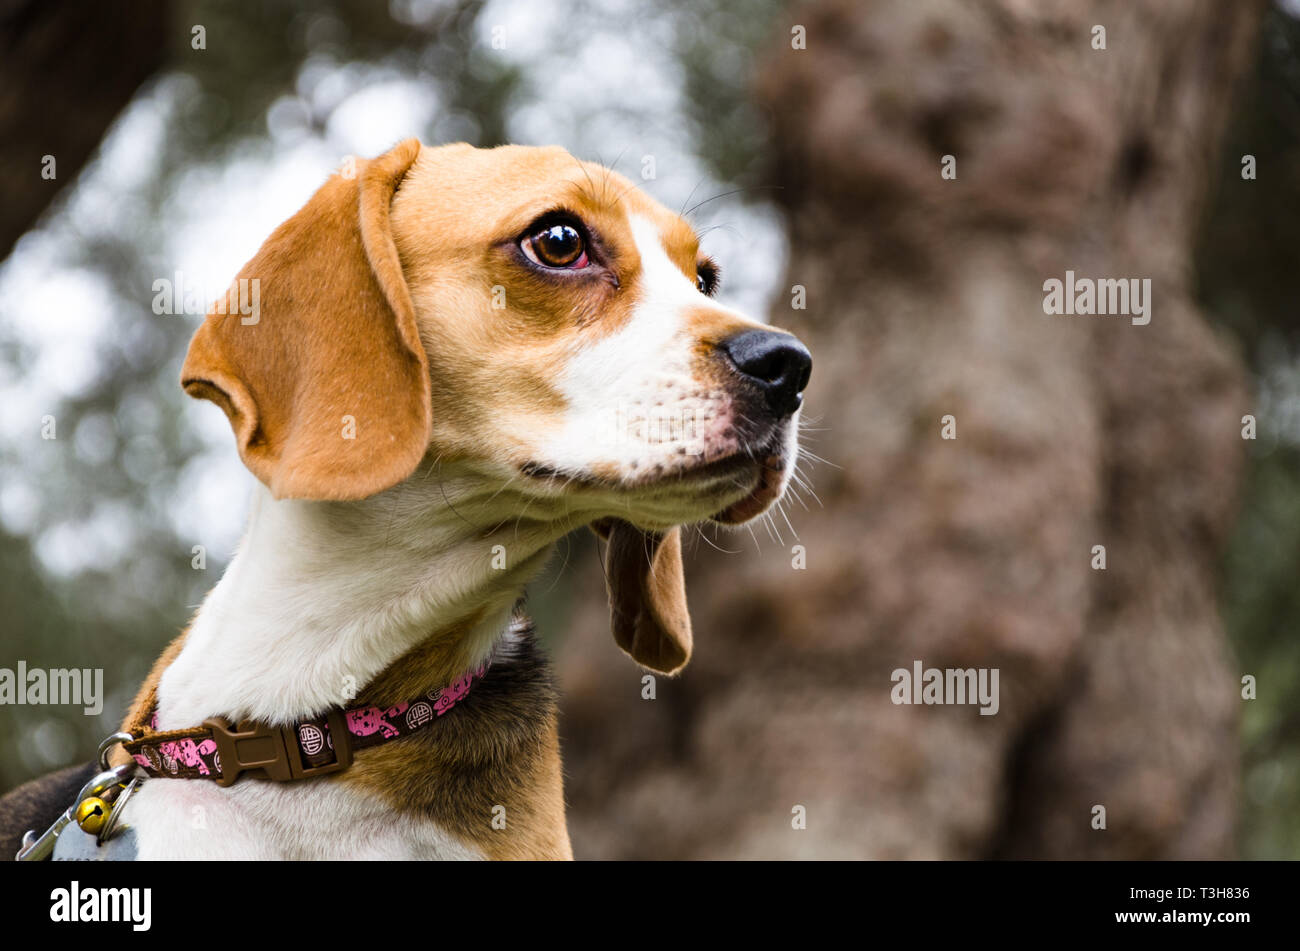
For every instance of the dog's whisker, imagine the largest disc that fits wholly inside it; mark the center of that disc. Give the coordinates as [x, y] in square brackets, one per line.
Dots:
[442, 490]
[614, 166]
[781, 508]
[509, 482]
[591, 184]
[772, 530]
[816, 458]
[699, 530]
[568, 550]
[619, 196]
[721, 226]
[691, 194]
[727, 194]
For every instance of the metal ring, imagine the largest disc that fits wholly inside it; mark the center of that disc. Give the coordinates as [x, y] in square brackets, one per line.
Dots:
[109, 743]
[119, 803]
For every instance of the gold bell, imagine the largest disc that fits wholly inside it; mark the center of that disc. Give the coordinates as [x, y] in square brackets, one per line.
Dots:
[92, 813]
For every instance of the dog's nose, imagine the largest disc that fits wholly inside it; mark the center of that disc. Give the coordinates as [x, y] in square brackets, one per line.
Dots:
[777, 362]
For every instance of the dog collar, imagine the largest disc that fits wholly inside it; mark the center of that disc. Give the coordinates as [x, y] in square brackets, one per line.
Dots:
[302, 750]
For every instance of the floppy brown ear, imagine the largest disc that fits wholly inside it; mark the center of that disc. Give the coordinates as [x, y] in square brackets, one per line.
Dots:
[647, 594]
[325, 382]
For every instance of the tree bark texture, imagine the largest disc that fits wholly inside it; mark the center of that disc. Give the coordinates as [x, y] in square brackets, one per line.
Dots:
[925, 299]
[66, 71]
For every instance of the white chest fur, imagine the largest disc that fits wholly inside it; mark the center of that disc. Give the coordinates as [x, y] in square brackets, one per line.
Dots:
[310, 820]
[319, 599]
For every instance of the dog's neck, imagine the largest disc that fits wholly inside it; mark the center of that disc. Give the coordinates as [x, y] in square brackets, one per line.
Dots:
[321, 599]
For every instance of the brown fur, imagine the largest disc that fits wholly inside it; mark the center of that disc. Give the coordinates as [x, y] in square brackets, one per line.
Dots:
[499, 746]
[329, 274]
[143, 703]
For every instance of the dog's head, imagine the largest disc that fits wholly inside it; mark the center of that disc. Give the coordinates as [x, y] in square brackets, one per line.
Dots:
[532, 316]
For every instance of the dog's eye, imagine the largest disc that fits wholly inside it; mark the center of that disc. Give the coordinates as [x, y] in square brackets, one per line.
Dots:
[707, 275]
[556, 245]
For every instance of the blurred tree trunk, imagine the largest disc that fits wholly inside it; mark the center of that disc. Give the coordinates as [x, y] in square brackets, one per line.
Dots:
[66, 71]
[925, 299]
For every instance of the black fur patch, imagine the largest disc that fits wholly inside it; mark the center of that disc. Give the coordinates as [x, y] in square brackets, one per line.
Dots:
[486, 751]
[36, 804]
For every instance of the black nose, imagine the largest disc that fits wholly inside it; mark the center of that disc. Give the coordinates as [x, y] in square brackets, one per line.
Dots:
[777, 362]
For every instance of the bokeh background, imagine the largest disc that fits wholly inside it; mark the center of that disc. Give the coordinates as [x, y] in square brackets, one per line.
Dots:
[811, 135]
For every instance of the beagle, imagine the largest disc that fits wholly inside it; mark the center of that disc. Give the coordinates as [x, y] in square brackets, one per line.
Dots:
[461, 355]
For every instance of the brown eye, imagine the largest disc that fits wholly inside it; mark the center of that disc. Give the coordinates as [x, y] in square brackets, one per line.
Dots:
[557, 245]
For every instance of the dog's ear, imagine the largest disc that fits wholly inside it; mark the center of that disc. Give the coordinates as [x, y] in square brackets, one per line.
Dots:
[647, 594]
[321, 370]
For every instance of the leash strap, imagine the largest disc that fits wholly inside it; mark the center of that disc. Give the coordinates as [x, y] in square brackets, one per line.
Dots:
[312, 747]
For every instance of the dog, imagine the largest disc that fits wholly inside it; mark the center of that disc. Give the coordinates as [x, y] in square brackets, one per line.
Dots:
[460, 355]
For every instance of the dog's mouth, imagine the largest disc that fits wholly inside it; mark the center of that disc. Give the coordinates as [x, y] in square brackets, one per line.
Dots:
[761, 471]
[770, 485]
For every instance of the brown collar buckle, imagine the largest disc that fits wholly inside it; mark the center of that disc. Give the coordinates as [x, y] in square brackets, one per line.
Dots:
[274, 750]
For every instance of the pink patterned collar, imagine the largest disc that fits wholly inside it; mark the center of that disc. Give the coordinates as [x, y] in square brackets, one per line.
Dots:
[302, 750]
